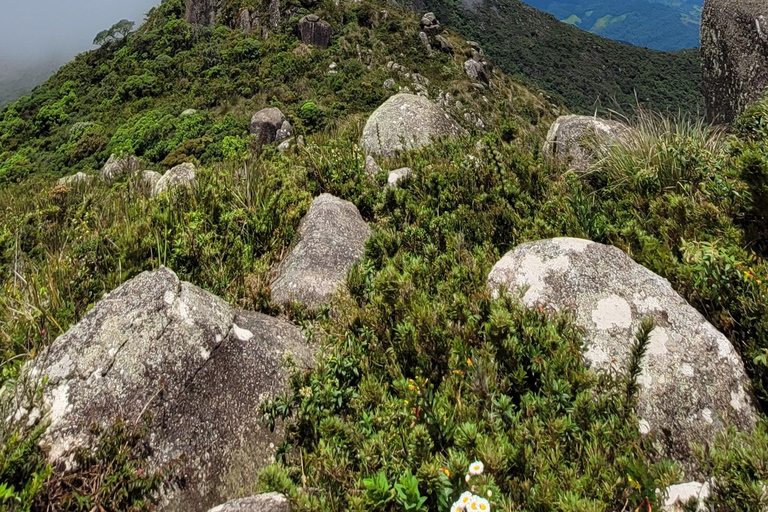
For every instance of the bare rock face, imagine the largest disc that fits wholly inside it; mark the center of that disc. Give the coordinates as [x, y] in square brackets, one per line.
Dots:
[180, 176]
[269, 502]
[331, 240]
[693, 382]
[406, 121]
[314, 31]
[734, 43]
[270, 125]
[200, 367]
[202, 12]
[430, 24]
[116, 167]
[477, 71]
[572, 140]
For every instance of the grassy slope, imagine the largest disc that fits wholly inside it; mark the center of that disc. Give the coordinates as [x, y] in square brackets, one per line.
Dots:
[489, 380]
[585, 71]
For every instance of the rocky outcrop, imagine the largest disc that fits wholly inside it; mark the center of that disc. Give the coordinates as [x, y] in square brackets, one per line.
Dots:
[477, 71]
[180, 176]
[314, 31]
[117, 166]
[443, 44]
[430, 24]
[406, 121]
[202, 369]
[693, 382]
[270, 502]
[202, 12]
[270, 125]
[331, 240]
[74, 179]
[398, 174]
[734, 43]
[572, 140]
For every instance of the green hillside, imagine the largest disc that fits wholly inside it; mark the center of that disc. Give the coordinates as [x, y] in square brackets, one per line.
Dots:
[585, 71]
[421, 370]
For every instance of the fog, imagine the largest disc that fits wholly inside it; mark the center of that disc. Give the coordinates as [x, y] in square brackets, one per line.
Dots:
[39, 33]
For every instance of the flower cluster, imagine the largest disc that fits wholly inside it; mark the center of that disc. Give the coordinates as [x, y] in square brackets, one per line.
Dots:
[468, 501]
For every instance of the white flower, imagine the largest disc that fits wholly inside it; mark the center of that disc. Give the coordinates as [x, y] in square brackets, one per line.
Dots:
[483, 505]
[476, 468]
[457, 507]
[464, 499]
[473, 505]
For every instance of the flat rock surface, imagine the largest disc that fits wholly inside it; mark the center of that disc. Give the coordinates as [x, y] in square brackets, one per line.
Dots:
[202, 369]
[331, 240]
[269, 502]
[693, 381]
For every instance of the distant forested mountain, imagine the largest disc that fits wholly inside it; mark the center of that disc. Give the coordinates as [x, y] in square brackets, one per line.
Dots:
[659, 24]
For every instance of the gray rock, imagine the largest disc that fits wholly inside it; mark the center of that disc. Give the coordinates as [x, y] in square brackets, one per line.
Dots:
[425, 41]
[74, 179]
[314, 31]
[331, 240]
[284, 132]
[284, 146]
[389, 83]
[678, 496]
[203, 370]
[477, 71]
[734, 44]
[180, 176]
[116, 167]
[397, 175]
[202, 12]
[270, 502]
[243, 21]
[266, 123]
[371, 167]
[693, 382]
[572, 140]
[189, 112]
[444, 44]
[430, 25]
[274, 14]
[406, 121]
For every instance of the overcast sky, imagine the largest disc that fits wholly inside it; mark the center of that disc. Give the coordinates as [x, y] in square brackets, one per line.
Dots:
[38, 30]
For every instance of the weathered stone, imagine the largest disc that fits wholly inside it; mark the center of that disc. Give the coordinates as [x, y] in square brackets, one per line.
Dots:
[189, 112]
[678, 496]
[74, 179]
[270, 502]
[266, 124]
[201, 368]
[371, 167]
[314, 31]
[693, 382]
[477, 71]
[243, 21]
[734, 43]
[425, 41]
[444, 44]
[572, 140]
[430, 25]
[331, 240]
[180, 176]
[389, 83]
[406, 121]
[274, 14]
[202, 12]
[116, 167]
[284, 132]
[397, 175]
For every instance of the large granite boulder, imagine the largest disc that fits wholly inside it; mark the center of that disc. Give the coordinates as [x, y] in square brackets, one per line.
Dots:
[270, 125]
[201, 368]
[269, 502]
[314, 31]
[117, 166]
[406, 121]
[430, 24]
[693, 382]
[202, 12]
[182, 175]
[734, 43]
[572, 140]
[331, 240]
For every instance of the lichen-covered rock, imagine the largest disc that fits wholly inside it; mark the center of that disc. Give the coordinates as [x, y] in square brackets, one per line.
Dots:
[202, 12]
[371, 167]
[406, 121]
[202, 369]
[117, 166]
[182, 175]
[269, 502]
[425, 41]
[74, 179]
[397, 175]
[444, 44]
[734, 44]
[268, 125]
[331, 240]
[477, 71]
[314, 31]
[572, 140]
[430, 24]
[693, 382]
